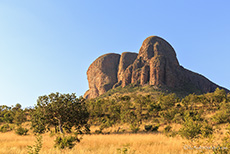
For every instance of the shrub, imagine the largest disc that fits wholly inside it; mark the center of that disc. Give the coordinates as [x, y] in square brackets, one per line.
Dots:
[178, 118]
[5, 128]
[155, 128]
[65, 142]
[98, 131]
[21, 131]
[148, 127]
[221, 117]
[191, 129]
[206, 130]
[135, 127]
[151, 127]
[167, 129]
[37, 147]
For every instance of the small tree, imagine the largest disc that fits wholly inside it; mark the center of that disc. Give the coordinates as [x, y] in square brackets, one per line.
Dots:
[19, 117]
[62, 110]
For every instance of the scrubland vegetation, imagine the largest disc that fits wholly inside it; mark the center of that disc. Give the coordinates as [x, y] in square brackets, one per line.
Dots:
[151, 122]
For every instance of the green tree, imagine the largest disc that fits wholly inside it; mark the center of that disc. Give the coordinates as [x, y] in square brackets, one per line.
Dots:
[19, 117]
[19, 114]
[167, 101]
[62, 110]
[9, 117]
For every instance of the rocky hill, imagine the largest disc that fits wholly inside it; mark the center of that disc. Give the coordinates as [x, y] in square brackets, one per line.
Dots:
[156, 64]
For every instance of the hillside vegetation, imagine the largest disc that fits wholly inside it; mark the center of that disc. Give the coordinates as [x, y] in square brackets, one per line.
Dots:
[201, 120]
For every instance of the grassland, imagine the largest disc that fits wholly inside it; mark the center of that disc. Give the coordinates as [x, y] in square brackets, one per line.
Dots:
[157, 143]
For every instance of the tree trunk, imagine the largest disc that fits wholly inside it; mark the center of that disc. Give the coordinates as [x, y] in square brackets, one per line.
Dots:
[60, 126]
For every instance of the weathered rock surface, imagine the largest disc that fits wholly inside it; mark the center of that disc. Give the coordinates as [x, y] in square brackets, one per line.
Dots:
[156, 64]
[126, 59]
[102, 74]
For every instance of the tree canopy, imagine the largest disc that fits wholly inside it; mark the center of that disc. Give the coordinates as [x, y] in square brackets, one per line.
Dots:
[62, 110]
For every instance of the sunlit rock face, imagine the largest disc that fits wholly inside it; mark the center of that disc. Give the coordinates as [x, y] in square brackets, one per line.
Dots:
[155, 64]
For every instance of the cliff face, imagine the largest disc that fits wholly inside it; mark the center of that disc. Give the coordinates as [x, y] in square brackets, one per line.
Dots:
[156, 64]
[102, 74]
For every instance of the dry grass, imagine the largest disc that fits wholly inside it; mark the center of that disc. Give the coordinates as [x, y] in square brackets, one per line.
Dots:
[10, 143]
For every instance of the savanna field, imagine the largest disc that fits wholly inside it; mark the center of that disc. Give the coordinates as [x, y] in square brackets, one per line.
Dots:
[142, 143]
[128, 123]
[97, 144]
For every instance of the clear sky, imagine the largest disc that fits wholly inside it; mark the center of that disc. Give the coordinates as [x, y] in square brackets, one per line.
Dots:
[47, 45]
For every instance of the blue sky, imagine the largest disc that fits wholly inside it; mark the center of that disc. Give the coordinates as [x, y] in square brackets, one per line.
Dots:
[47, 45]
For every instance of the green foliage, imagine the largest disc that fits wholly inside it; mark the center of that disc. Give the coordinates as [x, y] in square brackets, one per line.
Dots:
[153, 108]
[5, 128]
[168, 115]
[135, 127]
[35, 149]
[223, 115]
[167, 129]
[9, 117]
[148, 127]
[38, 121]
[21, 131]
[62, 110]
[19, 117]
[190, 101]
[152, 128]
[168, 101]
[206, 130]
[65, 142]
[219, 95]
[98, 131]
[178, 118]
[193, 114]
[155, 128]
[191, 129]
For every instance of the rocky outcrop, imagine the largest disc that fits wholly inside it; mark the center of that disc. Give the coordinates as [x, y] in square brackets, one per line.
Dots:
[127, 58]
[102, 74]
[156, 64]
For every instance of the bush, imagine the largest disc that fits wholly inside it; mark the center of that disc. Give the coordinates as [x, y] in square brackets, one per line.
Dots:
[151, 127]
[167, 129]
[65, 142]
[135, 127]
[37, 147]
[98, 131]
[5, 128]
[221, 117]
[206, 130]
[148, 127]
[191, 129]
[21, 131]
[155, 128]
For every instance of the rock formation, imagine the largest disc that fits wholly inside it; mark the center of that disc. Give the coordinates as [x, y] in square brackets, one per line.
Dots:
[156, 64]
[102, 74]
